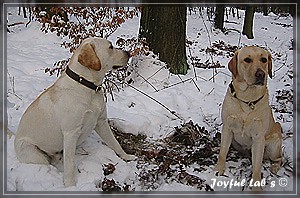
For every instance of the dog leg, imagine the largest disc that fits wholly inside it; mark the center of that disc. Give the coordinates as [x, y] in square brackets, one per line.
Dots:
[226, 139]
[29, 153]
[104, 131]
[70, 141]
[257, 150]
[274, 147]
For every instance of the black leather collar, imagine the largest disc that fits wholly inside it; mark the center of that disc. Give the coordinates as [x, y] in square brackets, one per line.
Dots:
[82, 80]
[251, 104]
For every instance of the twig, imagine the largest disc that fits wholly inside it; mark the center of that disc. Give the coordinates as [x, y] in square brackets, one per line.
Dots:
[239, 42]
[179, 78]
[202, 78]
[30, 17]
[232, 29]
[182, 81]
[14, 24]
[144, 78]
[155, 72]
[213, 77]
[211, 91]
[12, 82]
[224, 73]
[161, 104]
[193, 64]
[209, 39]
[196, 85]
[282, 65]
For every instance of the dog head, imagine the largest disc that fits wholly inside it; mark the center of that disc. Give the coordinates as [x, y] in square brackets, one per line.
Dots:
[99, 54]
[251, 65]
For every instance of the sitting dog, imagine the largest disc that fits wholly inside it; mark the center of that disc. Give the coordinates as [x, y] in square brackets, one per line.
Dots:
[248, 122]
[65, 114]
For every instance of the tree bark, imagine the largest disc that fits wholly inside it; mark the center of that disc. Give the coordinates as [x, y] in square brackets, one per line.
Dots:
[165, 30]
[248, 22]
[219, 18]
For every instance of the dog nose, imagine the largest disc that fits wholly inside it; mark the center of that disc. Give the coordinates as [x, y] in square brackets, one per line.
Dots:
[260, 74]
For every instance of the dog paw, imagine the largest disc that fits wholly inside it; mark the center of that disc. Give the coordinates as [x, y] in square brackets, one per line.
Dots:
[220, 168]
[256, 189]
[69, 183]
[275, 168]
[127, 157]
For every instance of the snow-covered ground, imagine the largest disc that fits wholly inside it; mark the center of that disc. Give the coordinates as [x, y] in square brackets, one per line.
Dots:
[197, 97]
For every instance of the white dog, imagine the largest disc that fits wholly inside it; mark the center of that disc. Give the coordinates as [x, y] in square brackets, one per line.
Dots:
[248, 121]
[65, 114]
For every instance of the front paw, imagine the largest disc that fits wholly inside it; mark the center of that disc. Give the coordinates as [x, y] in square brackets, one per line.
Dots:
[275, 167]
[256, 189]
[127, 157]
[69, 183]
[220, 168]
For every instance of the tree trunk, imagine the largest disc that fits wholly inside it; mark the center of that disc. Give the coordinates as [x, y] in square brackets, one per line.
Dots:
[165, 30]
[248, 22]
[219, 19]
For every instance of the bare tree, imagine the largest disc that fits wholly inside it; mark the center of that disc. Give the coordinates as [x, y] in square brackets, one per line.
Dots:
[165, 31]
[219, 17]
[248, 22]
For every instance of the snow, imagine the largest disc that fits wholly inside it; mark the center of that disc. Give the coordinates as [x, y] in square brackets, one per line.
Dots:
[29, 51]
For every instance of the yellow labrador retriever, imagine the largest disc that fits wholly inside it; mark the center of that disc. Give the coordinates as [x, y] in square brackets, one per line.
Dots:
[248, 122]
[67, 112]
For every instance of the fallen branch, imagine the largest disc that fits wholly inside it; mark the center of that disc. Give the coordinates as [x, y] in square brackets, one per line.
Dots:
[182, 81]
[161, 104]
[193, 63]
[156, 72]
[210, 44]
[14, 24]
[144, 78]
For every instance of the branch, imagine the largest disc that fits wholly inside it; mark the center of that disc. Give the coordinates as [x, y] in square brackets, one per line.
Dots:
[193, 63]
[14, 24]
[209, 39]
[144, 78]
[161, 104]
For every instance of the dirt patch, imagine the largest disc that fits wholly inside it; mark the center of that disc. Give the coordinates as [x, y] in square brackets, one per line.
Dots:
[168, 159]
[189, 151]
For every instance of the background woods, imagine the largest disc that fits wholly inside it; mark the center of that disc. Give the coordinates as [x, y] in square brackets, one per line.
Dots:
[162, 29]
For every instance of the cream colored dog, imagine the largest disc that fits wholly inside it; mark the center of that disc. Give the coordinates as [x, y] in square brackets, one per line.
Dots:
[248, 122]
[65, 114]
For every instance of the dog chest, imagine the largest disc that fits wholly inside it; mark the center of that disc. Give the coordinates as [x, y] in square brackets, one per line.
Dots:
[245, 128]
[89, 120]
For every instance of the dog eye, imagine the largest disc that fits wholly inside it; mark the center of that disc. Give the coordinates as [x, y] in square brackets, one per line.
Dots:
[264, 60]
[247, 60]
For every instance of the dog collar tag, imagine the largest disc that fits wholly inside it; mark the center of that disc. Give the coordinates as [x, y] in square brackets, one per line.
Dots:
[251, 105]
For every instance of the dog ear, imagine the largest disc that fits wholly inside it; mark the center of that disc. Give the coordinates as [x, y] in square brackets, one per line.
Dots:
[232, 65]
[270, 64]
[88, 57]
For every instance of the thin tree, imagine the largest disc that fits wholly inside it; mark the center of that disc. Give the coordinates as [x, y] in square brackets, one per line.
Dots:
[248, 22]
[219, 17]
[165, 30]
